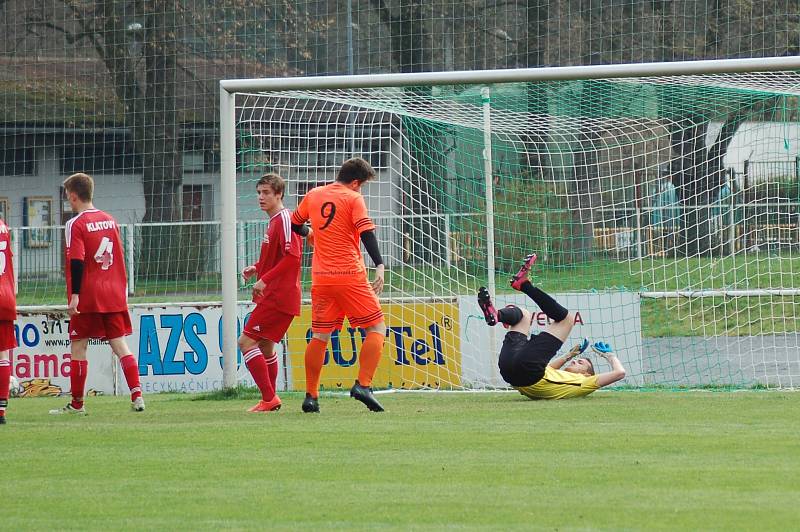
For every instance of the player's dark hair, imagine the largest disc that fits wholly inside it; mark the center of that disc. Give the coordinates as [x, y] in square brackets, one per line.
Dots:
[355, 169]
[591, 366]
[273, 181]
[510, 315]
[81, 184]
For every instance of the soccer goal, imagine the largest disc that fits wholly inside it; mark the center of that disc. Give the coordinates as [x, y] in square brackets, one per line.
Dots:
[662, 201]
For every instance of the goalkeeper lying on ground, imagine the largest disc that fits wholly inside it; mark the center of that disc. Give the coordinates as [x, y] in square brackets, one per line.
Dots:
[525, 362]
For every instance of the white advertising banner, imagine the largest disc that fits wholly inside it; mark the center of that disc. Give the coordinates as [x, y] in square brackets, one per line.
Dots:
[612, 317]
[178, 349]
[41, 360]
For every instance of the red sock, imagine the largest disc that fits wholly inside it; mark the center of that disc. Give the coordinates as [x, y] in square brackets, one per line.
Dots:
[78, 370]
[131, 370]
[5, 378]
[272, 368]
[255, 362]
[314, 359]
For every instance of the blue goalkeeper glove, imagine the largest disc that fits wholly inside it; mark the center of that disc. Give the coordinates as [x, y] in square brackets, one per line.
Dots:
[602, 348]
[577, 349]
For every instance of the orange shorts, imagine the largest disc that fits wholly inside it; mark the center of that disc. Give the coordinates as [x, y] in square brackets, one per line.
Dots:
[331, 303]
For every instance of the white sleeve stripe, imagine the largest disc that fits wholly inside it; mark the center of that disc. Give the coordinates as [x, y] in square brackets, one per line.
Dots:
[287, 229]
[68, 231]
[68, 226]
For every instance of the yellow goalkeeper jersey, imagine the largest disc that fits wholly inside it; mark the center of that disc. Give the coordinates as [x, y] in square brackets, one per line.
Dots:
[558, 384]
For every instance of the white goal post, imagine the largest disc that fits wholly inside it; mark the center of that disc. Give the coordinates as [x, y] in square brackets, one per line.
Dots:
[229, 89]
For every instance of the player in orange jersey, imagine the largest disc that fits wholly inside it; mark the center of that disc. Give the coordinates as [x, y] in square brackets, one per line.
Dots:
[8, 313]
[97, 291]
[339, 284]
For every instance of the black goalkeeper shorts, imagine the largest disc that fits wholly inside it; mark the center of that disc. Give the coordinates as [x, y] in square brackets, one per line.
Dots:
[522, 360]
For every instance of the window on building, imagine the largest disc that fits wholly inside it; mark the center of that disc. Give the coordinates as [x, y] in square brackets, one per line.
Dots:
[101, 157]
[199, 161]
[66, 208]
[15, 157]
[212, 162]
[304, 186]
[197, 203]
[329, 153]
[378, 156]
[194, 162]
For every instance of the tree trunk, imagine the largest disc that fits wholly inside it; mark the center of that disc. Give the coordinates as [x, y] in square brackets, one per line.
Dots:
[409, 34]
[586, 172]
[533, 161]
[689, 175]
[157, 138]
[580, 199]
[698, 172]
[152, 115]
[536, 133]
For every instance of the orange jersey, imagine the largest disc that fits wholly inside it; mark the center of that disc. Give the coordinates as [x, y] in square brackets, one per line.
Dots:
[338, 216]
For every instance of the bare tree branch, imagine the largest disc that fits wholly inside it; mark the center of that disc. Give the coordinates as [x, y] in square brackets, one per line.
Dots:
[383, 11]
[71, 37]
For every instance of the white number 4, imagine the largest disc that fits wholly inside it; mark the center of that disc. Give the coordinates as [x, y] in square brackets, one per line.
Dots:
[104, 255]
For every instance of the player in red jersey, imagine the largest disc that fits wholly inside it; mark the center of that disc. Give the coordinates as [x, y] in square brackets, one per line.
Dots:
[339, 285]
[8, 313]
[97, 291]
[276, 293]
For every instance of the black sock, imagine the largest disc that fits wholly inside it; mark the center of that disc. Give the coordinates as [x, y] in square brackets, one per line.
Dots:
[549, 306]
[510, 315]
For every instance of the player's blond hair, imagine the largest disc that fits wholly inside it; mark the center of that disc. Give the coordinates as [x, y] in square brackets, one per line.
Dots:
[81, 184]
[273, 181]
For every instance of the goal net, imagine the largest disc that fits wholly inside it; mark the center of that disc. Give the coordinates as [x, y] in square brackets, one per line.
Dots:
[663, 210]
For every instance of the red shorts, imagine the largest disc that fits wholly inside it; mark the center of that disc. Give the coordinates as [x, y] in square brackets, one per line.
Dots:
[8, 340]
[100, 325]
[267, 323]
[331, 303]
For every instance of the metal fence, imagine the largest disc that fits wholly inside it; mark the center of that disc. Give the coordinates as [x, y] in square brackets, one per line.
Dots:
[39, 251]
[450, 240]
[732, 228]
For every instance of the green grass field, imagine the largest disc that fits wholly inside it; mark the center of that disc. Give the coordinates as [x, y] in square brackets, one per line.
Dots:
[612, 461]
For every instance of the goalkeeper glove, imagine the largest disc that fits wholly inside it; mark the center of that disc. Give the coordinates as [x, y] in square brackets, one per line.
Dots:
[577, 349]
[602, 348]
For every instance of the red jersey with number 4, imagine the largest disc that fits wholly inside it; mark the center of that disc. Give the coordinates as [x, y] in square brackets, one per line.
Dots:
[283, 290]
[8, 300]
[93, 237]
